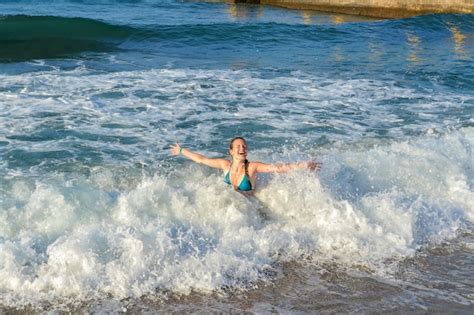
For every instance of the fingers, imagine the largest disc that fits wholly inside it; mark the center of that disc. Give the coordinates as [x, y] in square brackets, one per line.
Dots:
[312, 165]
[174, 149]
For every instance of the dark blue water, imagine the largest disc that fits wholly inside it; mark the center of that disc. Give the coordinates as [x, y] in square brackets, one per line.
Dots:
[96, 216]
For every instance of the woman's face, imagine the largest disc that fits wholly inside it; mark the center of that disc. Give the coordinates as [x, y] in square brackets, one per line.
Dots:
[239, 149]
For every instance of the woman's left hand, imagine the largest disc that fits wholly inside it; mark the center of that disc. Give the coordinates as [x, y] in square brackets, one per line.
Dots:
[313, 165]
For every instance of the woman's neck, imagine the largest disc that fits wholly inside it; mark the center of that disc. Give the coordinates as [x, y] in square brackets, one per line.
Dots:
[238, 164]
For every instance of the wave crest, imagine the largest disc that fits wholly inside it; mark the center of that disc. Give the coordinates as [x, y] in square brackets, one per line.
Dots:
[24, 37]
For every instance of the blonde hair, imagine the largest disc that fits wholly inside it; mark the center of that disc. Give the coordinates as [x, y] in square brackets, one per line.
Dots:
[231, 144]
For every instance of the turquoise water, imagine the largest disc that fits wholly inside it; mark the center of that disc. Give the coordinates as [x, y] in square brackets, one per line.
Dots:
[96, 216]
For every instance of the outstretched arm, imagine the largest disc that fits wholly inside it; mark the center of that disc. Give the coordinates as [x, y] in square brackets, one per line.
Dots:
[176, 149]
[285, 167]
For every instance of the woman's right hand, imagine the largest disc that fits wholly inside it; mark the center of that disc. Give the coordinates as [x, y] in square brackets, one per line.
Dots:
[175, 149]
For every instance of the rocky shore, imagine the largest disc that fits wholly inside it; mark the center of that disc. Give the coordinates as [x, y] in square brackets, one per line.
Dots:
[374, 8]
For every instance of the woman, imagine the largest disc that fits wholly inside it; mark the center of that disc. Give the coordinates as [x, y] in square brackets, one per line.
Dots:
[239, 172]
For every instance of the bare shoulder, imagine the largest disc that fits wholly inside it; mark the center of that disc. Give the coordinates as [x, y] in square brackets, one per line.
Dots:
[225, 164]
[215, 163]
[254, 165]
[222, 163]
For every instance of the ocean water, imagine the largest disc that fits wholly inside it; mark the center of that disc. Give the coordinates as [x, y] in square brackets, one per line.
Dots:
[95, 216]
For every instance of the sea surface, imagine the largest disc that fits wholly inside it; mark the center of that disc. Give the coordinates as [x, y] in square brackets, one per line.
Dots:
[96, 217]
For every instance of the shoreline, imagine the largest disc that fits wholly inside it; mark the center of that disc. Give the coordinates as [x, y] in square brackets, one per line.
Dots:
[373, 8]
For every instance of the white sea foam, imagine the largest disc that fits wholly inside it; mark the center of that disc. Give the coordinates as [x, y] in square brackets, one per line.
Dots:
[76, 237]
[141, 112]
[113, 231]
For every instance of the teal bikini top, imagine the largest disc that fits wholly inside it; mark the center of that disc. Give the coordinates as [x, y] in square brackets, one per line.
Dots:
[245, 184]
